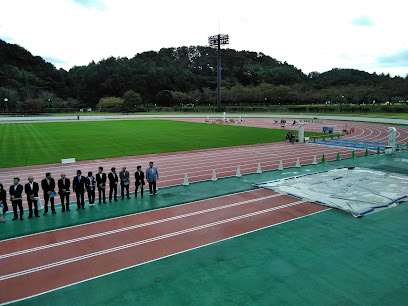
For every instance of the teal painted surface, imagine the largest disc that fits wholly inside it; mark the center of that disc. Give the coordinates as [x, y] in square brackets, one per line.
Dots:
[179, 194]
[324, 259]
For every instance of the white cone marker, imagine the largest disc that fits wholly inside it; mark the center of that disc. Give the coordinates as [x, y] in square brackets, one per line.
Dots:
[298, 163]
[238, 172]
[186, 183]
[214, 176]
[280, 166]
[314, 160]
[259, 170]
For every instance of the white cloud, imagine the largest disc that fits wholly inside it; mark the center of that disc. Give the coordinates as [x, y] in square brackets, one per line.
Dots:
[362, 21]
[312, 35]
[97, 4]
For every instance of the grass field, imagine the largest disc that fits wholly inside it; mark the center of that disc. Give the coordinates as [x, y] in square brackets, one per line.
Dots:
[41, 143]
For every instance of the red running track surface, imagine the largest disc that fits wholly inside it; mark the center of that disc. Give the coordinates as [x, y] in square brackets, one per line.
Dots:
[62, 257]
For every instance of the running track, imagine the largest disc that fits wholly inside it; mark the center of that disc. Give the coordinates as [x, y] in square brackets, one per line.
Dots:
[199, 164]
[46, 261]
[59, 258]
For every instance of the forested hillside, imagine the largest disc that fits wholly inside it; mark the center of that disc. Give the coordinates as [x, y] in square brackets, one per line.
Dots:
[185, 75]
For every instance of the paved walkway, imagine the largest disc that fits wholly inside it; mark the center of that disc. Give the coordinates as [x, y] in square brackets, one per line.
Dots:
[232, 115]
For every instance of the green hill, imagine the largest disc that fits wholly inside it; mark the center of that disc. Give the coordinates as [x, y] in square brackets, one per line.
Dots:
[174, 76]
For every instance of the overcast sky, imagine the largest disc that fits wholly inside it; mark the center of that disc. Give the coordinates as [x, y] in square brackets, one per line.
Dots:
[313, 35]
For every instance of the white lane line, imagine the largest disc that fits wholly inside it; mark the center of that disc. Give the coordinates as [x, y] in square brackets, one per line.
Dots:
[164, 257]
[274, 161]
[129, 216]
[242, 160]
[133, 244]
[188, 161]
[119, 230]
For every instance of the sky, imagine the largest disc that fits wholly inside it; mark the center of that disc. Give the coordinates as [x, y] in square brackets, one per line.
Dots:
[313, 35]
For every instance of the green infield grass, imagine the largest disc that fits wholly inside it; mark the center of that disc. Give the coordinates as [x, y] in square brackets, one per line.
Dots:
[41, 143]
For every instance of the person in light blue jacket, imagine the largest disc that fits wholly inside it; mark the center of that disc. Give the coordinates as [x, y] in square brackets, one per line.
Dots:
[152, 176]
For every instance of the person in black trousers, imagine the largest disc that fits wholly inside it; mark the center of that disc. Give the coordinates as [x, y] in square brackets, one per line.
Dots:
[3, 202]
[139, 180]
[16, 199]
[79, 184]
[63, 190]
[31, 189]
[48, 185]
[90, 188]
[124, 182]
[101, 183]
[113, 184]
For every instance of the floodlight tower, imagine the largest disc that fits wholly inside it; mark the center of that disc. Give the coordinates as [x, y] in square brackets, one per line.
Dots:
[218, 41]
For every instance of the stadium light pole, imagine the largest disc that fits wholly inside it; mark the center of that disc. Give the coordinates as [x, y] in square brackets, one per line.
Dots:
[216, 41]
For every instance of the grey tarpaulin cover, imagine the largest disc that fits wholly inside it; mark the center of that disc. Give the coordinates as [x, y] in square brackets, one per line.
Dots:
[356, 190]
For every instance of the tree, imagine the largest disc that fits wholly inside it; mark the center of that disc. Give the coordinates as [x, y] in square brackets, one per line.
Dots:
[111, 103]
[131, 101]
[31, 106]
[181, 98]
[313, 75]
[164, 98]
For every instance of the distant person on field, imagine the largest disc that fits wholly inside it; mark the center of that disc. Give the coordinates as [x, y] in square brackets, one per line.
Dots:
[79, 185]
[139, 180]
[90, 188]
[31, 190]
[48, 186]
[113, 184]
[16, 198]
[152, 176]
[101, 183]
[63, 190]
[3, 202]
[124, 182]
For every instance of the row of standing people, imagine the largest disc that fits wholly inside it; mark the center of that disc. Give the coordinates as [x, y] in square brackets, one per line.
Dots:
[80, 185]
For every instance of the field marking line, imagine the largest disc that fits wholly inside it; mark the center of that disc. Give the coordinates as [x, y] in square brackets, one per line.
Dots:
[123, 229]
[227, 173]
[130, 215]
[145, 241]
[187, 161]
[167, 256]
[242, 161]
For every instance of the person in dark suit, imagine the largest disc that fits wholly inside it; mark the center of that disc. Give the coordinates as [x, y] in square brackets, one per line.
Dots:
[139, 180]
[63, 190]
[48, 185]
[79, 185]
[101, 183]
[16, 199]
[3, 202]
[124, 182]
[90, 188]
[31, 189]
[113, 184]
